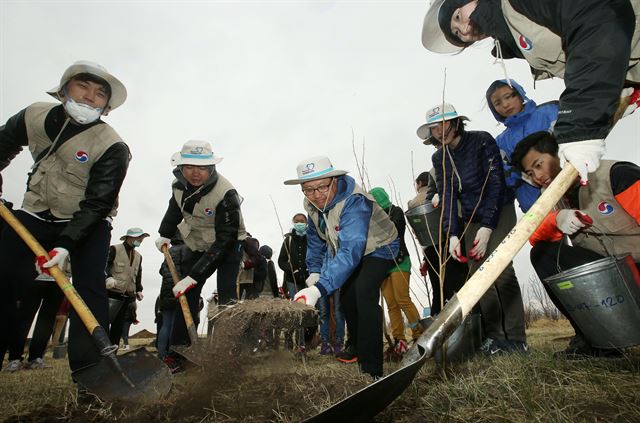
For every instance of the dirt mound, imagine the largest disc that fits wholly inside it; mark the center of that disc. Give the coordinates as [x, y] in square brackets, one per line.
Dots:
[143, 334]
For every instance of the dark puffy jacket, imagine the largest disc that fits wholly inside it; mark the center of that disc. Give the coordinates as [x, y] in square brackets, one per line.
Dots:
[179, 254]
[475, 157]
[292, 259]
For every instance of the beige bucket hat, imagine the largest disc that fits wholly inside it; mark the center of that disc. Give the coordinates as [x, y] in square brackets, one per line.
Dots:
[197, 153]
[313, 168]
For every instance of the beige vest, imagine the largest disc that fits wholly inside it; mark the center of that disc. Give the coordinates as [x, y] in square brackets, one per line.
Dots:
[543, 48]
[381, 230]
[198, 229]
[124, 271]
[612, 225]
[58, 184]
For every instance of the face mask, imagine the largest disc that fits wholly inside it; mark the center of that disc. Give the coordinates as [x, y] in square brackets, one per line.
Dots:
[300, 228]
[136, 243]
[81, 113]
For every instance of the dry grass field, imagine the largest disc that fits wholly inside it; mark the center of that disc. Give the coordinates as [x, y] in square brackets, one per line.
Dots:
[279, 387]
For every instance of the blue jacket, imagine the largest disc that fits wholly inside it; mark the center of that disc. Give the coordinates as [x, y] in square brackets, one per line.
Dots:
[354, 228]
[532, 119]
[475, 157]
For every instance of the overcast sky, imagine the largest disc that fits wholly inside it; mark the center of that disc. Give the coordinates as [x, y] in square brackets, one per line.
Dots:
[268, 84]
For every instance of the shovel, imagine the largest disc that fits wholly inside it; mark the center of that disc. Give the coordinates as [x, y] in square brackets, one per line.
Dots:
[194, 352]
[366, 403]
[137, 377]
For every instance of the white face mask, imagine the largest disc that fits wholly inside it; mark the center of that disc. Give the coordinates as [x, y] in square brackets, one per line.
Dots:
[136, 243]
[81, 113]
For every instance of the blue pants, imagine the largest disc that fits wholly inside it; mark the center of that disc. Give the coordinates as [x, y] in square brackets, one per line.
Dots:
[325, 318]
[164, 333]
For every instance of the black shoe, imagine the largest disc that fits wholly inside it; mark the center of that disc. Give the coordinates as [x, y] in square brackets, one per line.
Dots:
[348, 355]
[519, 347]
[579, 349]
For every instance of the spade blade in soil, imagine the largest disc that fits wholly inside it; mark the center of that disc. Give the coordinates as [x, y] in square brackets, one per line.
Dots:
[194, 354]
[151, 378]
[367, 402]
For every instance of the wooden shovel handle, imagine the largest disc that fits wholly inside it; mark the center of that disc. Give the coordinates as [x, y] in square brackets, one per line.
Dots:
[63, 282]
[184, 305]
[484, 277]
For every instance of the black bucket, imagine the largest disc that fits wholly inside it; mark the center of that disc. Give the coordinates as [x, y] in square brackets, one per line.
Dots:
[603, 298]
[425, 222]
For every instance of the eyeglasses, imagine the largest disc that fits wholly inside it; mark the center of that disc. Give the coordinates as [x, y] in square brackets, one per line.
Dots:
[322, 189]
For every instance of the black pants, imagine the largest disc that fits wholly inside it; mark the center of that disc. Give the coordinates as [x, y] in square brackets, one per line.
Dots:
[360, 298]
[44, 298]
[550, 258]
[115, 328]
[227, 274]
[17, 272]
[455, 275]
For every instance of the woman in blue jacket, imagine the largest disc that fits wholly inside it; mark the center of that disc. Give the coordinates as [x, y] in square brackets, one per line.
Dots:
[469, 172]
[522, 116]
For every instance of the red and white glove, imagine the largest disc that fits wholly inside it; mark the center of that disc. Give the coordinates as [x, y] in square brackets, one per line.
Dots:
[57, 257]
[583, 155]
[282, 293]
[634, 100]
[312, 279]
[309, 296]
[455, 249]
[480, 243]
[435, 200]
[184, 286]
[570, 221]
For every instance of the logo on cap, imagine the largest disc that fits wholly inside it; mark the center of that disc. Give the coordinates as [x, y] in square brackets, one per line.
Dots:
[605, 208]
[524, 43]
[308, 168]
[82, 156]
[197, 150]
[208, 211]
[434, 112]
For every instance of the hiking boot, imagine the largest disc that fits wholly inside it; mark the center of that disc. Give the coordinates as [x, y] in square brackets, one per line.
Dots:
[348, 355]
[13, 366]
[490, 347]
[37, 364]
[325, 349]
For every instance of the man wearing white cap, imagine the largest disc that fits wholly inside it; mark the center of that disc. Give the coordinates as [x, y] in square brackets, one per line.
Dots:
[79, 165]
[124, 278]
[351, 244]
[205, 208]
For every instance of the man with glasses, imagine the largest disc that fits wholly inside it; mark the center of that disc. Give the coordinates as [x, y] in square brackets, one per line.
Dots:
[351, 244]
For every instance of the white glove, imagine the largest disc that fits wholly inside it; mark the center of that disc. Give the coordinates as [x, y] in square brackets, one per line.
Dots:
[110, 282]
[455, 250]
[312, 279]
[139, 296]
[59, 257]
[435, 200]
[309, 296]
[183, 286]
[162, 241]
[634, 101]
[480, 243]
[568, 221]
[583, 155]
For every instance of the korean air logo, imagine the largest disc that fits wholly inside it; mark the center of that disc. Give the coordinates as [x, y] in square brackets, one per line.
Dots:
[208, 212]
[605, 208]
[82, 156]
[308, 168]
[524, 43]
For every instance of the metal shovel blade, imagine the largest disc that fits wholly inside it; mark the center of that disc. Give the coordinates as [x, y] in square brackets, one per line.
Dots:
[194, 354]
[150, 377]
[369, 401]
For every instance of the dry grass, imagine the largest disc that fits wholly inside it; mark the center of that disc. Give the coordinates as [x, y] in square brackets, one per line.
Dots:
[513, 388]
